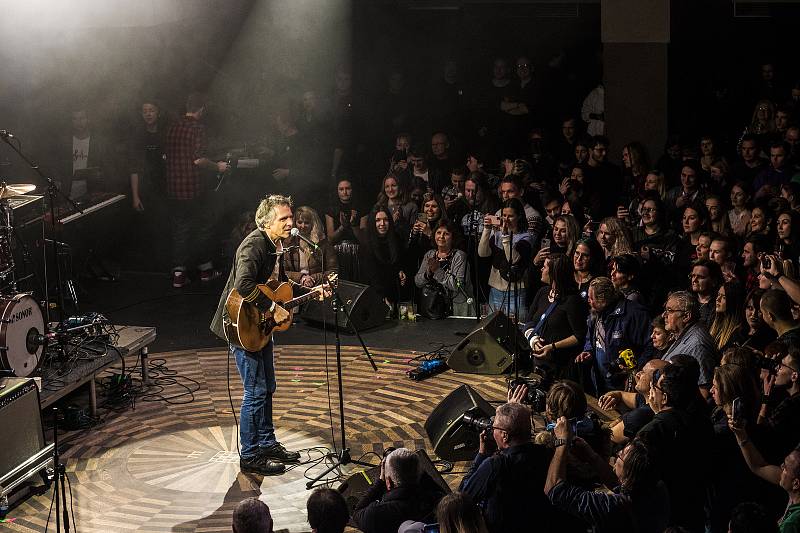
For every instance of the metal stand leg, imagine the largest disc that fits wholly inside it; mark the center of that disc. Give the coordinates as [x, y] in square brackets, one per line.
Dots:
[145, 371]
[93, 396]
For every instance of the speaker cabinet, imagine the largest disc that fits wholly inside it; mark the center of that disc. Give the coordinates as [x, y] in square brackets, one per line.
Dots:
[489, 347]
[362, 302]
[24, 451]
[451, 440]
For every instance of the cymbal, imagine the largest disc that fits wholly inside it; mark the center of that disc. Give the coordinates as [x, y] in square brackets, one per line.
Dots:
[16, 189]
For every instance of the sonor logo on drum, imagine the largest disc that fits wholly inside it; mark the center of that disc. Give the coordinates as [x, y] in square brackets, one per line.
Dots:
[25, 313]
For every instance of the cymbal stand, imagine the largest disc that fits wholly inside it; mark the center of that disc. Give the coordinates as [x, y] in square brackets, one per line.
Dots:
[53, 192]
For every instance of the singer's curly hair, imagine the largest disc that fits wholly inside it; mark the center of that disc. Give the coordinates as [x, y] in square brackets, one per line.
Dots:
[265, 213]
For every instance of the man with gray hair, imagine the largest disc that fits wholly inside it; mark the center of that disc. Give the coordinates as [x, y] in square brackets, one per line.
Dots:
[257, 261]
[507, 476]
[681, 316]
[615, 324]
[396, 496]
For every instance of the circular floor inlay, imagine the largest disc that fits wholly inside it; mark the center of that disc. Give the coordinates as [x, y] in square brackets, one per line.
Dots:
[201, 460]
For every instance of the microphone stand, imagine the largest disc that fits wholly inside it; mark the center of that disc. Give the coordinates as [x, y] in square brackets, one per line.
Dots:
[511, 337]
[59, 480]
[473, 233]
[343, 457]
[459, 287]
[53, 191]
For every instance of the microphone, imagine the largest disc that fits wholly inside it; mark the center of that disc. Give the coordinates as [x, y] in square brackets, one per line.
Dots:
[7, 134]
[296, 233]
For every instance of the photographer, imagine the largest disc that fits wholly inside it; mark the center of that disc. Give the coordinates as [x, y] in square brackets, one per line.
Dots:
[567, 398]
[396, 496]
[639, 500]
[614, 324]
[782, 424]
[507, 241]
[508, 474]
[454, 202]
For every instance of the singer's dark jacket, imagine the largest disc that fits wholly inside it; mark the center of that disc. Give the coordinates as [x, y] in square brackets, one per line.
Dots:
[253, 263]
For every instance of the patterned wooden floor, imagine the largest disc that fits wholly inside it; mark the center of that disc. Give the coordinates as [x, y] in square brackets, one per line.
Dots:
[166, 467]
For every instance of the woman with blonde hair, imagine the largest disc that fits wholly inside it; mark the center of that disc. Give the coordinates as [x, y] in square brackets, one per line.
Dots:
[302, 264]
[655, 181]
[614, 237]
[566, 233]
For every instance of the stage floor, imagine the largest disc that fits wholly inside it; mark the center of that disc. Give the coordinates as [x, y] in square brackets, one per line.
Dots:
[174, 467]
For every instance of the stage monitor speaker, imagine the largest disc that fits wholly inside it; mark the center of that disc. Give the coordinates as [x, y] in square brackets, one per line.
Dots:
[489, 348]
[24, 450]
[451, 440]
[365, 306]
[354, 487]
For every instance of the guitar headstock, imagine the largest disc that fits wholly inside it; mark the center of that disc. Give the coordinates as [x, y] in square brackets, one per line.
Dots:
[331, 280]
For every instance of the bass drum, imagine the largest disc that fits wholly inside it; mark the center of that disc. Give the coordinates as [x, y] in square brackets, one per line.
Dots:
[21, 334]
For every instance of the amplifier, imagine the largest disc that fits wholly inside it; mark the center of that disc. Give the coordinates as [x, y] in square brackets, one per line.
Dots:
[24, 450]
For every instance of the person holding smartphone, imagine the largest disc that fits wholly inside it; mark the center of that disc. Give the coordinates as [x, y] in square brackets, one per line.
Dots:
[735, 393]
[507, 241]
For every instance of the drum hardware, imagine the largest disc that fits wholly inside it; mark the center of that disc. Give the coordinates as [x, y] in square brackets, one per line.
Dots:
[58, 345]
[53, 192]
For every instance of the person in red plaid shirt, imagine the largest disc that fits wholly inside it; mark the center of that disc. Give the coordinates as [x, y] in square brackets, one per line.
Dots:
[188, 194]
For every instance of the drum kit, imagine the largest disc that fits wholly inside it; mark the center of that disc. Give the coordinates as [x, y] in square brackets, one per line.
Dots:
[22, 325]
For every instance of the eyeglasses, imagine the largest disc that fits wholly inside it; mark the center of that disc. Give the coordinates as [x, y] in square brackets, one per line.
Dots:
[649, 209]
[667, 310]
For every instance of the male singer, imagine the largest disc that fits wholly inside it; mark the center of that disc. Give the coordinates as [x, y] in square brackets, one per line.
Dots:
[257, 260]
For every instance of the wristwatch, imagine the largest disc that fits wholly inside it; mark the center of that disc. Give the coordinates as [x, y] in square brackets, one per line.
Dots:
[561, 442]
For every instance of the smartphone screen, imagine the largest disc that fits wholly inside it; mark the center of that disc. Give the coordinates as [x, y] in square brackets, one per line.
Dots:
[736, 408]
[431, 528]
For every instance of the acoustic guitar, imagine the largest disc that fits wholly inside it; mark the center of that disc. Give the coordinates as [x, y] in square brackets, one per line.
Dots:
[250, 329]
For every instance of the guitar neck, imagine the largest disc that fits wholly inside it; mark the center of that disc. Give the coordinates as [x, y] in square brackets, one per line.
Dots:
[294, 302]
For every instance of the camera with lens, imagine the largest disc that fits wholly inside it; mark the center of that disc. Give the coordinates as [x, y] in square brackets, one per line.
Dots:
[536, 396]
[477, 423]
[769, 364]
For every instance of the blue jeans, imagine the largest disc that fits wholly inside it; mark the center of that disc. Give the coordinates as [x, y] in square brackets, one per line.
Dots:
[498, 301]
[257, 370]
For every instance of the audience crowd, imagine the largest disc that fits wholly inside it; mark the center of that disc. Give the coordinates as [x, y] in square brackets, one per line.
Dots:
[667, 287]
